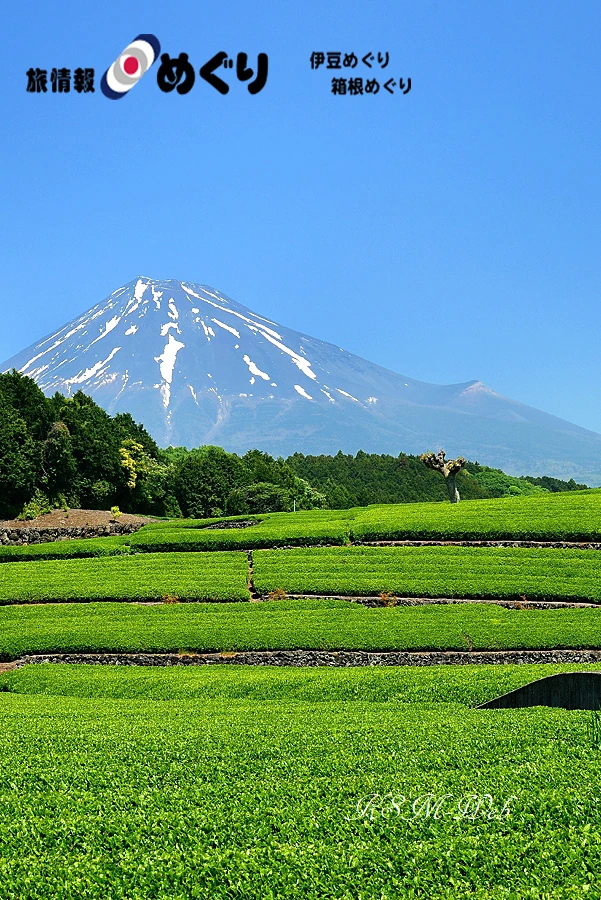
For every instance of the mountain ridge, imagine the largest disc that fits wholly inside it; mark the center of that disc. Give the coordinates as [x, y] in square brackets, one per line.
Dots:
[196, 366]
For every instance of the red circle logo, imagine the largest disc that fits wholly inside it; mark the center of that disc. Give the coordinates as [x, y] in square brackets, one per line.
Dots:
[131, 65]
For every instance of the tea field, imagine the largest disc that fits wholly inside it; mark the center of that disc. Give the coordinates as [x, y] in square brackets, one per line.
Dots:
[190, 576]
[165, 784]
[505, 573]
[572, 516]
[244, 782]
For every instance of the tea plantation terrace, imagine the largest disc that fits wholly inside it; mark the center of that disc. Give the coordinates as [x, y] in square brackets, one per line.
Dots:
[326, 764]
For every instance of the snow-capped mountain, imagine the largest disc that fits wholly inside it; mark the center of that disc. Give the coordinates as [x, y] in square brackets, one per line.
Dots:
[196, 367]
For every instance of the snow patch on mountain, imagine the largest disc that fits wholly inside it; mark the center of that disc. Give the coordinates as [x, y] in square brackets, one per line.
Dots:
[108, 327]
[254, 369]
[167, 364]
[300, 390]
[94, 370]
[345, 394]
[225, 327]
[56, 344]
[479, 388]
[156, 297]
[303, 364]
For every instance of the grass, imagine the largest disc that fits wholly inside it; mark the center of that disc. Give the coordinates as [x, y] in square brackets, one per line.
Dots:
[218, 796]
[288, 624]
[433, 572]
[189, 576]
[465, 685]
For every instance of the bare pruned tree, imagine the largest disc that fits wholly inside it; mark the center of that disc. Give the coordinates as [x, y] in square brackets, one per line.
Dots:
[448, 467]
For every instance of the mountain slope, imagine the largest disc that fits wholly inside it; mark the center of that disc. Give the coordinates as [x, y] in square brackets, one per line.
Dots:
[197, 367]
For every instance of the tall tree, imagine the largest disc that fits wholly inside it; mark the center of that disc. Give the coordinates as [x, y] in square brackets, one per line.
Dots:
[449, 468]
[28, 401]
[59, 466]
[19, 462]
[205, 479]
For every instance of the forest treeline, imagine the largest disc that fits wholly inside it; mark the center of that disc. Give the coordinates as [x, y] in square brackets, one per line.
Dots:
[67, 451]
[365, 478]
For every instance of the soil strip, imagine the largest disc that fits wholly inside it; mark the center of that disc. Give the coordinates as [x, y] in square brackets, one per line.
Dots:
[425, 601]
[541, 545]
[305, 658]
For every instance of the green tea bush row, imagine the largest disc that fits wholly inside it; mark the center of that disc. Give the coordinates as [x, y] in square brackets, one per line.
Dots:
[548, 517]
[497, 572]
[466, 685]
[79, 548]
[173, 524]
[272, 533]
[261, 798]
[189, 576]
[288, 625]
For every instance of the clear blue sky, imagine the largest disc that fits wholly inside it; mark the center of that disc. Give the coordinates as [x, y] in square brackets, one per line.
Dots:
[450, 234]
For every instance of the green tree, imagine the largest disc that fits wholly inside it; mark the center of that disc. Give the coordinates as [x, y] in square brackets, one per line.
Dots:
[205, 479]
[337, 495]
[159, 485]
[59, 466]
[262, 497]
[151, 484]
[135, 461]
[25, 397]
[132, 430]
[174, 455]
[19, 462]
[261, 467]
[96, 442]
[306, 496]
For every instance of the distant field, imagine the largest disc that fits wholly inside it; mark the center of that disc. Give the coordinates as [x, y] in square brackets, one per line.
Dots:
[432, 572]
[288, 797]
[288, 624]
[277, 530]
[70, 549]
[572, 516]
[190, 576]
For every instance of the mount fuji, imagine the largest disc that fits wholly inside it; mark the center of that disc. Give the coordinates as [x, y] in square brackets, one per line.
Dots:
[196, 367]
